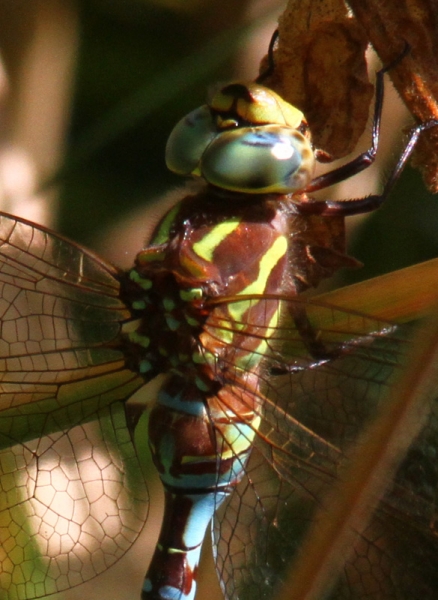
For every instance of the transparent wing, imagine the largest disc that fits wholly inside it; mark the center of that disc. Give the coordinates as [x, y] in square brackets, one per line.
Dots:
[72, 499]
[313, 409]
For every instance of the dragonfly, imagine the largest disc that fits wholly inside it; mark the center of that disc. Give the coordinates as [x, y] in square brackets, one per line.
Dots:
[264, 395]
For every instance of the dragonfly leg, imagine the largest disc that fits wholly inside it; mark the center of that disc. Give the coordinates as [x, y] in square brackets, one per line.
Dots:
[374, 201]
[363, 161]
[310, 338]
[366, 159]
[271, 63]
[309, 335]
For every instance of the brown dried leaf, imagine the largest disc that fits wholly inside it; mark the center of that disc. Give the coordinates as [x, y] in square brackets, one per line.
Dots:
[320, 67]
[389, 25]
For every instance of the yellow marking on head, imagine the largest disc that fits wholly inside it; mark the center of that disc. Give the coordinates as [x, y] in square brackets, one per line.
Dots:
[208, 244]
[268, 107]
[256, 104]
[267, 263]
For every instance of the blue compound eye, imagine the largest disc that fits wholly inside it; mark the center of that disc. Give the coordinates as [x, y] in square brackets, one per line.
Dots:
[246, 140]
[188, 141]
[264, 159]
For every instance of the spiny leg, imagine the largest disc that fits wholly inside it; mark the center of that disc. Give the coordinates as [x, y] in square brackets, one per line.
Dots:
[369, 203]
[366, 159]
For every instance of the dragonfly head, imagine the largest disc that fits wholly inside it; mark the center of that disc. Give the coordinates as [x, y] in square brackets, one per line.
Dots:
[246, 139]
[252, 104]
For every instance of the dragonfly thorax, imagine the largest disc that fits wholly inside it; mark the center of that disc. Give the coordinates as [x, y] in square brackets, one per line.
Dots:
[166, 336]
[246, 139]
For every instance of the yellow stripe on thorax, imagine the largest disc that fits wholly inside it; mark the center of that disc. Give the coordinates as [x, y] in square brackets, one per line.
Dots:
[208, 244]
[258, 286]
[252, 358]
[162, 235]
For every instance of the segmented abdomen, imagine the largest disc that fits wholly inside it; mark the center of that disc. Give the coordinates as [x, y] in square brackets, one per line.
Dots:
[200, 445]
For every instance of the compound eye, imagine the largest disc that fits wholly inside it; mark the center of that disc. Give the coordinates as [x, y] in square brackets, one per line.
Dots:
[188, 141]
[255, 160]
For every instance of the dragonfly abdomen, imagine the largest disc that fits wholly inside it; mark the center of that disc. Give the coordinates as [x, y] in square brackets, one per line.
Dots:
[200, 445]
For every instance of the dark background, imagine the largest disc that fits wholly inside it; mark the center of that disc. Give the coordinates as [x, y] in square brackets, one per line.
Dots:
[134, 53]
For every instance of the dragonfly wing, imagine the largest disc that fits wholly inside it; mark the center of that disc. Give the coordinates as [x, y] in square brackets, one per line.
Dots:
[313, 412]
[72, 498]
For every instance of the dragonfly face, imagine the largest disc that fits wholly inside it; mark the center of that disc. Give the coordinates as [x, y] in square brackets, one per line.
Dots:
[246, 140]
[266, 393]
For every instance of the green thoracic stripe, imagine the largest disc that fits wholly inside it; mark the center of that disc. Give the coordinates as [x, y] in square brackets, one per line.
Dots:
[162, 235]
[267, 263]
[205, 247]
[251, 359]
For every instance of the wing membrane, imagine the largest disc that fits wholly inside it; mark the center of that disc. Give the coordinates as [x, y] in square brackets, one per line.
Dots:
[61, 316]
[72, 497]
[313, 412]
